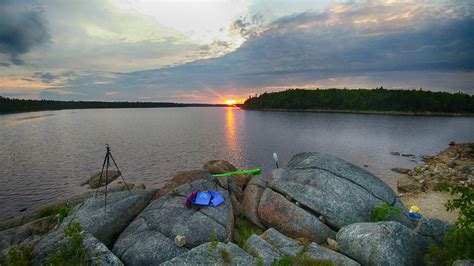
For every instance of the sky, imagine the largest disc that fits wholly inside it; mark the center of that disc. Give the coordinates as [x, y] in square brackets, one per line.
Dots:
[209, 51]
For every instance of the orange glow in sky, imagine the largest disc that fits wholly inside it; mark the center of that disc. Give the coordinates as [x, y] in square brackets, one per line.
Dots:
[230, 102]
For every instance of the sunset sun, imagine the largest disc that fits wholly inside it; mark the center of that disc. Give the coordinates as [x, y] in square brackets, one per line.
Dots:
[230, 102]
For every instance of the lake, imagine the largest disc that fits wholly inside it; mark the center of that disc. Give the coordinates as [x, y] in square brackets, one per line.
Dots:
[46, 155]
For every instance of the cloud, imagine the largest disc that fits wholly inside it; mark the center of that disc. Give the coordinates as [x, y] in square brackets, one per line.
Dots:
[22, 27]
[359, 43]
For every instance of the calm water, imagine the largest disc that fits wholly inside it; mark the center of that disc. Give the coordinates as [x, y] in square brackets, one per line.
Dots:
[46, 155]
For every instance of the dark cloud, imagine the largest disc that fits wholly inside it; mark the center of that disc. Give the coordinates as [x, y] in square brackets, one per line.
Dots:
[45, 77]
[22, 27]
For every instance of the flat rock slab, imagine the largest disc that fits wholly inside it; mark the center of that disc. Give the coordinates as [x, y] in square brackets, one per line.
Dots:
[122, 208]
[338, 190]
[206, 254]
[382, 243]
[155, 229]
[284, 244]
[434, 229]
[262, 249]
[318, 252]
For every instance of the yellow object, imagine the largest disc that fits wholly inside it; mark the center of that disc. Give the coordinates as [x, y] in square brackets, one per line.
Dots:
[414, 208]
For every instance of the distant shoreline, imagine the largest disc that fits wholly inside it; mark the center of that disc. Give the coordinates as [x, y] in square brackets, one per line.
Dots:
[399, 113]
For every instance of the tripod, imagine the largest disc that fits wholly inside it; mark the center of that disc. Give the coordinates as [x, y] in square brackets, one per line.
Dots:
[106, 165]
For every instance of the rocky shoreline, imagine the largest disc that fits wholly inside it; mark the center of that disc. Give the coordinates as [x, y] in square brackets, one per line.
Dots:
[317, 209]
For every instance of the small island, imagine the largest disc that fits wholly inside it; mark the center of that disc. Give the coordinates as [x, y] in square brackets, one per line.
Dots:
[372, 101]
[10, 105]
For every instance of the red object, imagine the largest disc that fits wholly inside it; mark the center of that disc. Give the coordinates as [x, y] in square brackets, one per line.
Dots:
[190, 198]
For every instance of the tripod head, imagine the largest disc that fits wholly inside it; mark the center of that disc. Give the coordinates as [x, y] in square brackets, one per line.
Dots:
[107, 147]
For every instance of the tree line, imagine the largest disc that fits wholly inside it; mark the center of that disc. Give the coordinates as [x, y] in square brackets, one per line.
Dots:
[380, 99]
[10, 105]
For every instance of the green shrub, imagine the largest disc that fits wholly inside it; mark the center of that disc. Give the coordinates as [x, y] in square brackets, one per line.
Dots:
[174, 192]
[73, 251]
[245, 229]
[459, 242]
[20, 257]
[61, 212]
[383, 212]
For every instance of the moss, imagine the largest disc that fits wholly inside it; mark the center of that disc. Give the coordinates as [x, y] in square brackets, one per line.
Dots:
[214, 241]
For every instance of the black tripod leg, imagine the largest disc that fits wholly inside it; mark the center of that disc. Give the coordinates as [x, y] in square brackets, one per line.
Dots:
[100, 178]
[106, 172]
[113, 160]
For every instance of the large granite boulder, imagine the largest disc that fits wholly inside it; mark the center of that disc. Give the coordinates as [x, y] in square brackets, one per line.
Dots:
[339, 191]
[276, 211]
[182, 178]
[285, 245]
[251, 198]
[149, 239]
[207, 254]
[122, 208]
[382, 243]
[407, 183]
[218, 167]
[106, 223]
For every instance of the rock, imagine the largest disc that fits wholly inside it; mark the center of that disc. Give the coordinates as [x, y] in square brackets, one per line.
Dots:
[395, 153]
[180, 241]
[332, 244]
[262, 249]
[98, 253]
[235, 190]
[236, 206]
[240, 180]
[434, 229]
[408, 184]
[16, 235]
[218, 167]
[408, 155]
[382, 243]
[149, 239]
[338, 190]
[182, 178]
[452, 143]
[96, 178]
[281, 242]
[122, 208]
[251, 199]
[206, 254]
[400, 170]
[463, 263]
[318, 252]
[277, 212]
[452, 164]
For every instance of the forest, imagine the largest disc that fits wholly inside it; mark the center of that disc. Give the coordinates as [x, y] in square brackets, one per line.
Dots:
[9, 105]
[376, 100]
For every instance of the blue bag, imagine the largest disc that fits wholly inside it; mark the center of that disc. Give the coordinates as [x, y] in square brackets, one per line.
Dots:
[202, 198]
[217, 198]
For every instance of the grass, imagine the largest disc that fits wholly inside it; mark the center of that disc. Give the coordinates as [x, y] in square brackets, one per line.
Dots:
[225, 255]
[60, 212]
[245, 229]
[301, 260]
